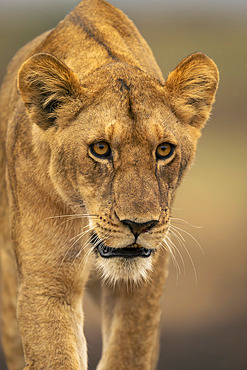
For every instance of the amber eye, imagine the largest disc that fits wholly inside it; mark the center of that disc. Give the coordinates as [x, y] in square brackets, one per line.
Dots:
[164, 151]
[100, 149]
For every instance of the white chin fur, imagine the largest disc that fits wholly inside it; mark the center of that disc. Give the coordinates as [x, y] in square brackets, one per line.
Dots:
[130, 270]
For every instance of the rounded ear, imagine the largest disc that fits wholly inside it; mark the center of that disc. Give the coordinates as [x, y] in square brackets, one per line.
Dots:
[191, 89]
[45, 84]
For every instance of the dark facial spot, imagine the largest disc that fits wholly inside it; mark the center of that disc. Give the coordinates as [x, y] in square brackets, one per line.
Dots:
[123, 85]
[93, 33]
[183, 165]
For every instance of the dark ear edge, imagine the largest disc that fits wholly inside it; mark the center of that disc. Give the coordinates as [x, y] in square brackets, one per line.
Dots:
[191, 89]
[45, 83]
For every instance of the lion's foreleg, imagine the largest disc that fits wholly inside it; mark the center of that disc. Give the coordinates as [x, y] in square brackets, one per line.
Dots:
[50, 319]
[10, 332]
[131, 319]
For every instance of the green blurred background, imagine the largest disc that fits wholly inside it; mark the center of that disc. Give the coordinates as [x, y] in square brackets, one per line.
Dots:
[204, 324]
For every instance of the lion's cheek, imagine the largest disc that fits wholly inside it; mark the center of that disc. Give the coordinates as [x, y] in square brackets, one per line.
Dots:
[64, 179]
[168, 177]
[80, 184]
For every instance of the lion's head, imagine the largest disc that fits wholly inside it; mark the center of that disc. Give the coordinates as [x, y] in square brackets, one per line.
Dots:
[119, 143]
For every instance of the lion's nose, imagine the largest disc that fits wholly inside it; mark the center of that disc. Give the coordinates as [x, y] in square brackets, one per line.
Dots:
[138, 228]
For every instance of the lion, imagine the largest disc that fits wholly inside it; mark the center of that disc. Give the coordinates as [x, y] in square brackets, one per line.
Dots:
[94, 144]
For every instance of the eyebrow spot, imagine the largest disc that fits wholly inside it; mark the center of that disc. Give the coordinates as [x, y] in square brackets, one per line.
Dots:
[159, 131]
[110, 130]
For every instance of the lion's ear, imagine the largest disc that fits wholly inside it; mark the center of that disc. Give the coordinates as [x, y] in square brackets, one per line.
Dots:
[191, 89]
[45, 84]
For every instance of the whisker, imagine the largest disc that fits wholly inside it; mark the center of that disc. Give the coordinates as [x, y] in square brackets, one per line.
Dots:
[185, 222]
[104, 237]
[175, 262]
[187, 233]
[90, 240]
[77, 238]
[86, 257]
[85, 245]
[187, 251]
[177, 250]
[82, 232]
[71, 216]
[192, 262]
[177, 234]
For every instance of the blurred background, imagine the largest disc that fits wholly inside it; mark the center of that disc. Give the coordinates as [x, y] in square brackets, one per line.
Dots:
[204, 320]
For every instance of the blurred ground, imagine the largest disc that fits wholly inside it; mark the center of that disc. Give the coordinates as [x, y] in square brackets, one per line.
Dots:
[204, 325]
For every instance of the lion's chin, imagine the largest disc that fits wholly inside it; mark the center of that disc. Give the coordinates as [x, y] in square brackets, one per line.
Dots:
[127, 270]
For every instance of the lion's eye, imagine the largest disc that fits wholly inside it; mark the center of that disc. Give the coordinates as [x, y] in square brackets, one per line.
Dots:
[100, 149]
[164, 151]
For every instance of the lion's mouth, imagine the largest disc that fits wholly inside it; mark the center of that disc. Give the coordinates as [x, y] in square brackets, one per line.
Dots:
[127, 252]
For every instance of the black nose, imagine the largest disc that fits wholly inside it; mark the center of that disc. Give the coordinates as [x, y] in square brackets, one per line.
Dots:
[138, 228]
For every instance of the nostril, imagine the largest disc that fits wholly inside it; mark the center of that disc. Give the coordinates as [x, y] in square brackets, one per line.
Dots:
[138, 228]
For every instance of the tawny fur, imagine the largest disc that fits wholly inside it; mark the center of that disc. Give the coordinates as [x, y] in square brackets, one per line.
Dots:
[93, 78]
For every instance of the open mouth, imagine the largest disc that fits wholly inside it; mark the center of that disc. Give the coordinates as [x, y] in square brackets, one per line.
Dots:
[127, 252]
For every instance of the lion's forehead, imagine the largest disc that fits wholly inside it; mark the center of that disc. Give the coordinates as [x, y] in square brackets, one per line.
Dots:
[118, 127]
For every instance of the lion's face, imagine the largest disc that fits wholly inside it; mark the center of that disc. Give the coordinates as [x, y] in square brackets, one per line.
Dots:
[118, 149]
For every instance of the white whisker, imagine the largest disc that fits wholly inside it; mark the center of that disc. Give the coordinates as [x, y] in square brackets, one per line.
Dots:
[85, 245]
[175, 231]
[77, 238]
[71, 216]
[177, 269]
[185, 222]
[177, 234]
[85, 258]
[176, 249]
[82, 232]
[175, 262]
[95, 244]
[187, 233]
